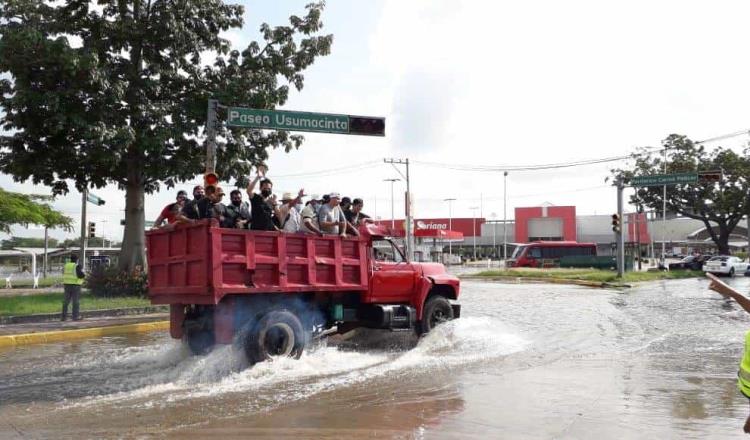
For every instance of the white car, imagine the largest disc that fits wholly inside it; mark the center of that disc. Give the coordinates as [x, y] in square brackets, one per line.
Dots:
[725, 265]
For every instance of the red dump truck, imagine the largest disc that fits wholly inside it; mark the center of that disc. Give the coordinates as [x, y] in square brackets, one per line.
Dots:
[273, 292]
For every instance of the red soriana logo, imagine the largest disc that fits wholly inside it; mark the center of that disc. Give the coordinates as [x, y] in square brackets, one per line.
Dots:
[423, 225]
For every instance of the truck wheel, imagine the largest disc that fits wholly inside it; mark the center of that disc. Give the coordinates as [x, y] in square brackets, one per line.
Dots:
[731, 273]
[278, 334]
[437, 310]
[200, 341]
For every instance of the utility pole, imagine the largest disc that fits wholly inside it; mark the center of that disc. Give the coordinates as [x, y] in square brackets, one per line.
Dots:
[393, 217]
[211, 121]
[46, 245]
[450, 228]
[493, 216]
[618, 234]
[664, 216]
[82, 258]
[474, 228]
[409, 235]
[505, 216]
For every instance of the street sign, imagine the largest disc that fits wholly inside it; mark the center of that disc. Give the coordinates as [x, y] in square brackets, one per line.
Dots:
[94, 199]
[147, 223]
[664, 179]
[305, 121]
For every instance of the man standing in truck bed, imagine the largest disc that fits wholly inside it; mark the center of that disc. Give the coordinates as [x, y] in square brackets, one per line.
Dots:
[260, 204]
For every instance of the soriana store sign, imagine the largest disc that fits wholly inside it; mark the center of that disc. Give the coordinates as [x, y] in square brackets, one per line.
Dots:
[466, 226]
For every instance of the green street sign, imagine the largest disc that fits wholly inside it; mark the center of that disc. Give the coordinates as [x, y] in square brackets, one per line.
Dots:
[305, 121]
[96, 200]
[664, 179]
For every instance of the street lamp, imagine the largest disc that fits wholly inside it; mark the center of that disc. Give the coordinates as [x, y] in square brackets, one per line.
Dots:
[505, 215]
[474, 228]
[450, 228]
[393, 217]
[493, 216]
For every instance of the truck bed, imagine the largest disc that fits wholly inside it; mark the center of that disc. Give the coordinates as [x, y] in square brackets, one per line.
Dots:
[199, 263]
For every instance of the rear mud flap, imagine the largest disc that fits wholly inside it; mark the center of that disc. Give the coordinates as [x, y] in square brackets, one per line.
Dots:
[456, 310]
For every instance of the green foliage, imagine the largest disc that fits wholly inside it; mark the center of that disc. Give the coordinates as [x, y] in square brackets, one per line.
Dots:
[16, 208]
[741, 255]
[118, 92]
[112, 282]
[52, 303]
[723, 203]
[28, 242]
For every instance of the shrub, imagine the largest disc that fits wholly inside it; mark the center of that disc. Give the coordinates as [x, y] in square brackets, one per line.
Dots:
[111, 282]
[741, 255]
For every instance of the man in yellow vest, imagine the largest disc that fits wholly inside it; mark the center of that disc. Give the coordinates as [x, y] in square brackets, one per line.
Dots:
[72, 281]
[743, 376]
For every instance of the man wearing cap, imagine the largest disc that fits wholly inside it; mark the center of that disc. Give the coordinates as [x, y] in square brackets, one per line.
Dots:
[289, 216]
[330, 216]
[309, 216]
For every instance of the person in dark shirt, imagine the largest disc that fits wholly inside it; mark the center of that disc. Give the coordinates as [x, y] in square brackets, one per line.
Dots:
[237, 212]
[261, 204]
[209, 206]
[357, 216]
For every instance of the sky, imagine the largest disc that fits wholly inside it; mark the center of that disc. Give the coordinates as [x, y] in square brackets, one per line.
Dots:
[492, 83]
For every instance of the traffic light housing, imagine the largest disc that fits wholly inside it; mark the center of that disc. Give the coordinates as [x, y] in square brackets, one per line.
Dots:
[367, 126]
[92, 230]
[210, 179]
[616, 227]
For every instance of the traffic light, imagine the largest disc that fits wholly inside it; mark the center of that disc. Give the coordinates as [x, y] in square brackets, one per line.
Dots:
[615, 223]
[210, 179]
[367, 126]
[92, 230]
[710, 176]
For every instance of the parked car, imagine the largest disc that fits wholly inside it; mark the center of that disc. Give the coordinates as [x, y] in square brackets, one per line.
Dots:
[725, 265]
[691, 262]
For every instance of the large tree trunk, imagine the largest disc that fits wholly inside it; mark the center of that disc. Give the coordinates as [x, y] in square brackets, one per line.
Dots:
[723, 240]
[133, 251]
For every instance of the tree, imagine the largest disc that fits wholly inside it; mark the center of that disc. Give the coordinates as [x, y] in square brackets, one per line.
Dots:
[16, 208]
[28, 242]
[118, 91]
[723, 202]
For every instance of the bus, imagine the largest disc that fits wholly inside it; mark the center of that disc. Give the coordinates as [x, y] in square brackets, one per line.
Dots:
[548, 253]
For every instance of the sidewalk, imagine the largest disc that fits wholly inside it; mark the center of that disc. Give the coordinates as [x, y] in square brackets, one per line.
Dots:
[25, 291]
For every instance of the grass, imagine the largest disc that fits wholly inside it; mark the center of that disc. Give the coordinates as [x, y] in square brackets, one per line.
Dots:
[28, 282]
[52, 303]
[597, 275]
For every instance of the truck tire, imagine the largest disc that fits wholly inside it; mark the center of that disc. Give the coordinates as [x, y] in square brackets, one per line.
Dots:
[437, 309]
[731, 272]
[279, 333]
[200, 341]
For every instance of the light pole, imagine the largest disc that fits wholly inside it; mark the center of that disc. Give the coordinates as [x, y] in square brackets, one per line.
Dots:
[493, 216]
[664, 216]
[393, 218]
[505, 215]
[474, 228]
[450, 228]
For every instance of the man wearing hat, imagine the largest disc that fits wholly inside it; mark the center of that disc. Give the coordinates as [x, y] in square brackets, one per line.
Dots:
[289, 216]
[330, 216]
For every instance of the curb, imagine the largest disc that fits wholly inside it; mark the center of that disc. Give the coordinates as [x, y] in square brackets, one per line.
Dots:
[66, 335]
[47, 317]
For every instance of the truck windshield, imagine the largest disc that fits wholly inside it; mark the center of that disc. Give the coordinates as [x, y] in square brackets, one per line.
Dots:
[519, 250]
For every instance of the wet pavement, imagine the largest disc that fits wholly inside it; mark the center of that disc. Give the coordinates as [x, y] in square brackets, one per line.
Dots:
[525, 361]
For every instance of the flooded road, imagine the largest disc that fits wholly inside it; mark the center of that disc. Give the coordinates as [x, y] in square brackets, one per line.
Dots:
[524, 361]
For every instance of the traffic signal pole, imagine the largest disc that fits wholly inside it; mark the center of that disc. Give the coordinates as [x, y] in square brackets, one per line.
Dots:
[82, 258]
[619, 233]
[211, 121]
